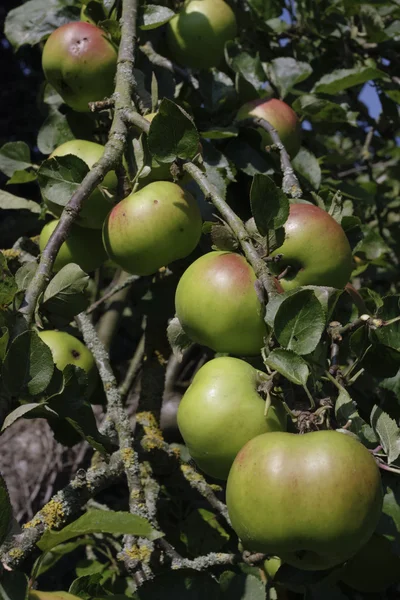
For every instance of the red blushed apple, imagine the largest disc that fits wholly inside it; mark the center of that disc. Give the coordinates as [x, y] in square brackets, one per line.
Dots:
[316, 250]
[80, 63]
[281, 116]
[217, 304]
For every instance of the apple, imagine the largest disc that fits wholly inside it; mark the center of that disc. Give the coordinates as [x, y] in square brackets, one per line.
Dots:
[97, 206]
[217, 304]
[313, 500]
[36, 595]
[68, 350]
[153, 227]
[80, 63]
[83, 247]
[222, 410]
[316, 250]
[281, 116]
[196, 36]
[374, 568]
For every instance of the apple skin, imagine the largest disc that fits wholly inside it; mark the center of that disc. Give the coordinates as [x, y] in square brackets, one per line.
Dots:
[36, 595]
[80, 63]
[68, 350]
[217, 304]
[221, 411]
[313, 500]
[83, 247]
[153, 227]
[316, 247]
[281, 116]
[374, 568]
[196, 36]
[97, 206]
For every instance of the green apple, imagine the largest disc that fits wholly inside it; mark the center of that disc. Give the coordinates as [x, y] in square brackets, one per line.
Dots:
[374, 568]
[271, 566]
[222, 410]
[97, 206]
[80, 63]
[314, 500]
[316, 250]
[281, 116]
[196, 36]
[217, 304]
[83, 247]
[68, 350]
[153, 227]
[36, 595]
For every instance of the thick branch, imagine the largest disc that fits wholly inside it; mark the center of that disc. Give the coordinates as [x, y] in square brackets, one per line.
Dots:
[65, 505]
[290, 183]
[111, 158]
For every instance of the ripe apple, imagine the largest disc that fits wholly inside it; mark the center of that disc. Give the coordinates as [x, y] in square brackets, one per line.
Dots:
[68, 350]
[80, 63]
[374, 568]
[222, 410]
[217, 304]
[36, 595]
[196, 36]
[314, 500]
[281, 116]
[153, 227]
[98, 205]
[83, 247]
[315, 249]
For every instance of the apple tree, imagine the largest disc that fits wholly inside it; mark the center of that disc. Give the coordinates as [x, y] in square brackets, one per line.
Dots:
[199, 300]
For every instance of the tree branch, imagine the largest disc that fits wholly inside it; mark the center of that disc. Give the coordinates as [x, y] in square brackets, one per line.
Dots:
[111, 157]
[160, 61]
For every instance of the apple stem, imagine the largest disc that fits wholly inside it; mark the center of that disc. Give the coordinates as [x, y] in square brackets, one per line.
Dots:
[311, 399]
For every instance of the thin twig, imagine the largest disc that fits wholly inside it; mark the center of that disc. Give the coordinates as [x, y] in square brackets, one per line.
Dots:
[160, 61]
[117, 288]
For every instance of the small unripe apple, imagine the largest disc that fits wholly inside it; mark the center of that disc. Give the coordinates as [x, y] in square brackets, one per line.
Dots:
[80, 63]
[222, 410]
[83, 247]
[316, 250]
[97, 206]
[217, 304]
[196, 36]
[281, 116]
[68, 350]
[36, 595]
[374, 568]
[153, 227]
[313, 500]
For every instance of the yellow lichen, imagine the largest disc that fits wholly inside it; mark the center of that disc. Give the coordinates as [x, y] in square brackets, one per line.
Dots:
[31, 524]
[53, 514]
[128, 456]
[140, 553]
[16, 553]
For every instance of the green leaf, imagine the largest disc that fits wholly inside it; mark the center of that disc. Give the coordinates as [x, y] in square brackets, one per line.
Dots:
[55, 131]
[342, 79]
[245, 65]
[346, 409]
[28, 365]
[20, 177]
[306, 165]
[389, 335]
[99, 521]
[178, 339]
[391, 507]
[265, 9]
[60, 177]
[13, 585]
[25, 274]
[5, 510]
[34, 20]
[244, 587]
[8, 287]
[155, 16]
[65, 293]
[220, 133]
[172, 134]
[39, 410]
[286, 72]
[289, 364]
[11, 202]
[300, 322]
[388, 432]
[186, 585]
[323, 111]
[269, 205]
[15, 156]
[4, 337]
